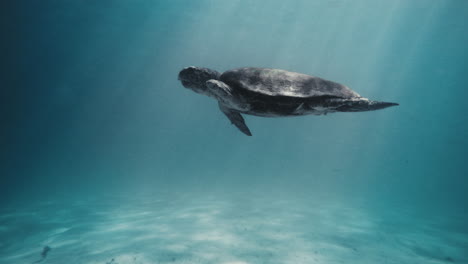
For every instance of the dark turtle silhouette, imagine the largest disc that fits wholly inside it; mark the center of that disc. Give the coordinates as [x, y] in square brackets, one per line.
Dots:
[273, 93]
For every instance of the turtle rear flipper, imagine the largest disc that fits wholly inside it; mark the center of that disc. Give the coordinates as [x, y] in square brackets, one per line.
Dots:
[359, 104]
[236, 119]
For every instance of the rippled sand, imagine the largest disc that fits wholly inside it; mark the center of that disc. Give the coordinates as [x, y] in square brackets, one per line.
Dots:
[229, 230]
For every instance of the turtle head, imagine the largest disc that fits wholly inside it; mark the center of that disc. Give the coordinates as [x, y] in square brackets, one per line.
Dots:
[195, 78]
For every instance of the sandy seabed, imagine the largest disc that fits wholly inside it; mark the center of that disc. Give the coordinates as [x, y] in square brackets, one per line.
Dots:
[226, 230]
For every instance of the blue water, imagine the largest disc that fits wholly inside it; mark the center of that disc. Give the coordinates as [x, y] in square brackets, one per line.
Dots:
[107, 158]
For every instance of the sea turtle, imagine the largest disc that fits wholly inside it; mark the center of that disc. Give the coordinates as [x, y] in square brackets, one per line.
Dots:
[273, 93]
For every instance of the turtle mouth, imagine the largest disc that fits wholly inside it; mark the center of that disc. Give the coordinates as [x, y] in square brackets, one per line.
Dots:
[180, 77]
[185, 83]
[183, 80]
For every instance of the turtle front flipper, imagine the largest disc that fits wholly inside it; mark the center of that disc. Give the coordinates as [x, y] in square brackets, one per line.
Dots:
[219, 90]
[236, 119]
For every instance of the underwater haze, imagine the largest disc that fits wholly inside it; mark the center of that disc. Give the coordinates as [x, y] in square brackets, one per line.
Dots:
[107, 159]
